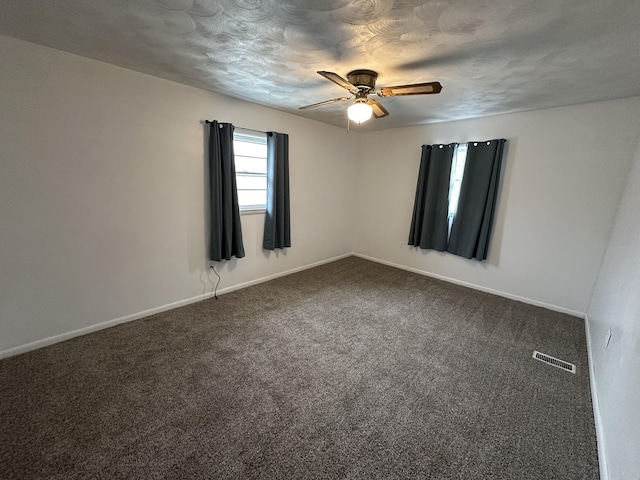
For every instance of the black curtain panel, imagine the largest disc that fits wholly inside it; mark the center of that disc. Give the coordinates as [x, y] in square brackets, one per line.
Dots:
[226, 230]
[429, 225]
[277, 222]
[471, 227]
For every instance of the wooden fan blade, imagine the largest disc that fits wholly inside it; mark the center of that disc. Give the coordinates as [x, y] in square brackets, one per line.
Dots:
[413, 89]
[326, 102]
[337, 79]
[378, 110]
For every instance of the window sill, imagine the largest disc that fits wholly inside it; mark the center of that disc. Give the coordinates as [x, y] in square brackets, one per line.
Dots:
[252, 211]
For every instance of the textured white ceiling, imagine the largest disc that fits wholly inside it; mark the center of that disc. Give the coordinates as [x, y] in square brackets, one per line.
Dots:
[491, 56]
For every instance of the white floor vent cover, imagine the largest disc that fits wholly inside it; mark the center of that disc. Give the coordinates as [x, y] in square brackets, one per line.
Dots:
[556, 362]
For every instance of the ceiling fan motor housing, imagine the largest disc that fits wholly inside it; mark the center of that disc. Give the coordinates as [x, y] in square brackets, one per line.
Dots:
[363, 79]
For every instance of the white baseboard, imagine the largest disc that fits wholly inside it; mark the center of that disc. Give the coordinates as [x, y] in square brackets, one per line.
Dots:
[163, 308]
[10, 352]
[135, 316]
[282, 274]
[602, 457]
[98, 326]
[510, 296]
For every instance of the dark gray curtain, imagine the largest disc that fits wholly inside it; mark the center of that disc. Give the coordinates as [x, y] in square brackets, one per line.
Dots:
[277, 228]
[226, 230]
[471, 227]
[429, 225]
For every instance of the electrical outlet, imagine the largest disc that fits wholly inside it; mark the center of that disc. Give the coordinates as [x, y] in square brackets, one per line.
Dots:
[606, 342]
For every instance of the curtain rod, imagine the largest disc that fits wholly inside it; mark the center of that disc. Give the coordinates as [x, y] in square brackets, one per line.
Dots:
[241, 128]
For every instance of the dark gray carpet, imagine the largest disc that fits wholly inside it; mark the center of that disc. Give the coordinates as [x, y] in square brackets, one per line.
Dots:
[349, 370]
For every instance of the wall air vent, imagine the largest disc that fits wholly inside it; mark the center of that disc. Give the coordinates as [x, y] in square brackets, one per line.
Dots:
[556, 362]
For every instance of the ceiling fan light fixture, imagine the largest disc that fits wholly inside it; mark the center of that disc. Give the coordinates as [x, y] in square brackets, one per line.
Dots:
[359, 112]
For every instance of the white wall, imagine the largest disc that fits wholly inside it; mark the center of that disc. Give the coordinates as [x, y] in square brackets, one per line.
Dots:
[615, 306]
[563, 174]
[103, 193]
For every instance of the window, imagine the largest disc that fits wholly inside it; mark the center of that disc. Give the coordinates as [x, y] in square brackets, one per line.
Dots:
[456, 197]
[250, 150]
[457, 171]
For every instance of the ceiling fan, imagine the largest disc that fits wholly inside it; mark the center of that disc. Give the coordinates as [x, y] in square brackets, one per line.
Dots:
[361, 83]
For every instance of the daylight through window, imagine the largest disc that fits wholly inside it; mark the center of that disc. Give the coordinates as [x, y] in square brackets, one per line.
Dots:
[250, 150]
[457, 171]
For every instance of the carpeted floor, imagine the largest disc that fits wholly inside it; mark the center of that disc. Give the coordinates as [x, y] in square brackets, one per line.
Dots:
[350, 370]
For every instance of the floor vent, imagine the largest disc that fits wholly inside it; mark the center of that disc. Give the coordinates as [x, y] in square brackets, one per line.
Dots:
[556, 362]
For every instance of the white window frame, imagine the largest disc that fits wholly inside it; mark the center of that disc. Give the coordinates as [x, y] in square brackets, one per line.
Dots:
[245, 136]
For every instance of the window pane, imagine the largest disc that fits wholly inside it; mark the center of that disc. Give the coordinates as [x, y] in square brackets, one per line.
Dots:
[252, 198]
[250, 165]
[251, 169]
[251, 182]
[249, 149]
[457, 172]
